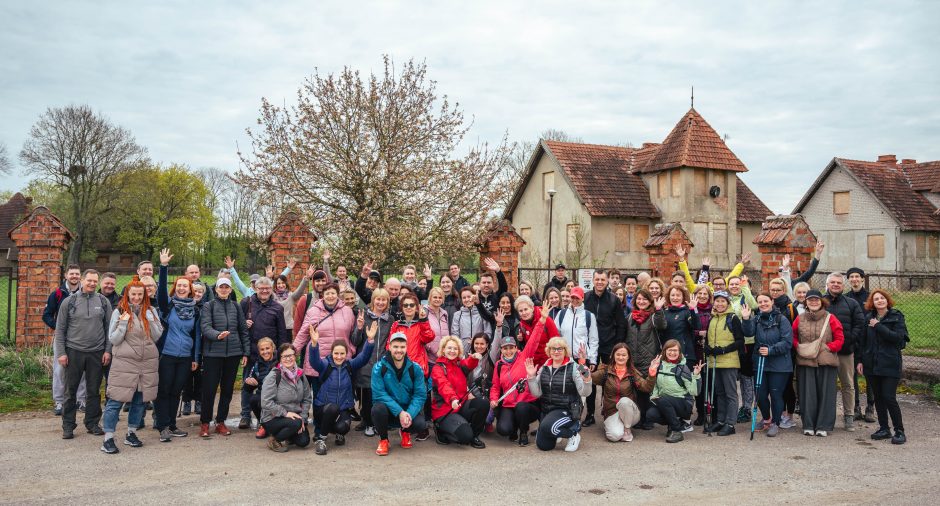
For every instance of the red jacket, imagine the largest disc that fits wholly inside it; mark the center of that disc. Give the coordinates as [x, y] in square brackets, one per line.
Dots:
[506, 375]
[450, 386]
[835, 326]
[525, 331]
[419, 333]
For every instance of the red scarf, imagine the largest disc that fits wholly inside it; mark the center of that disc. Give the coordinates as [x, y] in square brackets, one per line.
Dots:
[640, 316]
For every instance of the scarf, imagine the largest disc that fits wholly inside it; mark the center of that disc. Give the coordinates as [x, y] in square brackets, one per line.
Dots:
[674, 362]
[621, 372]
[291, 375]
[281, 295]
[640, 316]
[185, 308]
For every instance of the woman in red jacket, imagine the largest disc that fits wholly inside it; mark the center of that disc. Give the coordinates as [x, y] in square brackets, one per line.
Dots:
[530, 317]
[414, 324]
[458, 416]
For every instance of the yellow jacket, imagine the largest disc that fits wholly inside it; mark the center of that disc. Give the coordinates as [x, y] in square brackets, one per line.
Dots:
[690, 281]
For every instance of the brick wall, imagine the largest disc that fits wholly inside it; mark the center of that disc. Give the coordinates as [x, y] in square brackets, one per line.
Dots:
[781, 235]
[661, 247]
[41, 239]
[291, 238]
[501, 242]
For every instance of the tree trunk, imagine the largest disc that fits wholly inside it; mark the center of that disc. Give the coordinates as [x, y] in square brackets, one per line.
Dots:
[75, 252]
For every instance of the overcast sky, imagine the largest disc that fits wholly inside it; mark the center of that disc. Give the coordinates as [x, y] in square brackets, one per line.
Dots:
[792, 84]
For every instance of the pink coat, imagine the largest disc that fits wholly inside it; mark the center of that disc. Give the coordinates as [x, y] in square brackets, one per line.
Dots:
[339, 324]
[441, 328]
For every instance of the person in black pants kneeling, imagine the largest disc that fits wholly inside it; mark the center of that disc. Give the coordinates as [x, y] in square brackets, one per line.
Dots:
[285, 396]
[256, 375]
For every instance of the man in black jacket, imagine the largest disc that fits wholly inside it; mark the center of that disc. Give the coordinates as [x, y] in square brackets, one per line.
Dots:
[559, 281]
[859, 293]
[611, 328]
[489, 294]
[850, 316]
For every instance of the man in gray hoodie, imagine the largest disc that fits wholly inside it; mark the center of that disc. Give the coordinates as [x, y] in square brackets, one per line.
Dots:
[79, 346]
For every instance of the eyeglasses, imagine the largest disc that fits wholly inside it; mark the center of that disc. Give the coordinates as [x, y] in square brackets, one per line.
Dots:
[408, 305]
[776, 290]
[556, 348]
[288, 355]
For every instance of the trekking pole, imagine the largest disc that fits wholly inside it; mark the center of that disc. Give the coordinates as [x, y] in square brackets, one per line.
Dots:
[519, 387]
[710, 395]
[757, 383]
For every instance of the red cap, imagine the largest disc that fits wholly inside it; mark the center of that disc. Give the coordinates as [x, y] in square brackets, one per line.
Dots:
[577, 292]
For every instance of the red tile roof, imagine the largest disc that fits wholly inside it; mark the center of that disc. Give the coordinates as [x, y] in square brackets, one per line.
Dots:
[694, 143]
[11, 213]
[891, 186]
[750, 209]
[923, 176]
[601, 177]
[776, 229]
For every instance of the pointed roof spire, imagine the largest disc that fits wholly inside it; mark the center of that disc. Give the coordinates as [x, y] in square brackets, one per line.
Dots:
[694, 143]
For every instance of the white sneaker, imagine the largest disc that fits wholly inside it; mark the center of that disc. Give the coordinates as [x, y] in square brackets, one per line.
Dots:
[370, 431]
[822, 433]
[573, 443]
[627, 435]
[807, 432]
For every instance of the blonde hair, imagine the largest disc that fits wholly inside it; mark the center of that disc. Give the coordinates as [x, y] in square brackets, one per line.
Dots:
[557, 342]
[269, 341]
[778, 281]
[435, 291]
[379, 293]
[450, 339]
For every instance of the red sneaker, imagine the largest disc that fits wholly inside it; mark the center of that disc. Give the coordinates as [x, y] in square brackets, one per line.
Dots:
[204, 430]
[405, 439]
[382, 450]
[261, 434]
[220, 428]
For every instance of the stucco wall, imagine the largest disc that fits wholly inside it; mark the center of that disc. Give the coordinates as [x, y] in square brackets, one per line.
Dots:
[604, 242]
[909, 260]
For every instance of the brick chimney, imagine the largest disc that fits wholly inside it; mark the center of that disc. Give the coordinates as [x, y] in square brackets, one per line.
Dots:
[908, 161]
[888, 159]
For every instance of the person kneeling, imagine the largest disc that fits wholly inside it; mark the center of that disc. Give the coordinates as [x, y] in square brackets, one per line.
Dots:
[621, 382]
[252, 383]
[398, 391]
[675, 390]
[334, 403]
[458, 416]
[560, 384]
[285, 395]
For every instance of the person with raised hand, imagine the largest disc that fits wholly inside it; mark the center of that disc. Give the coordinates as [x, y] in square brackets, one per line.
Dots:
[560, 384]
[285, 399]
[773, 340]
[458, 415]
[621, 381]
[724, 345]
[674, 394]
[287, 298]
[817, 337]
[646, 320]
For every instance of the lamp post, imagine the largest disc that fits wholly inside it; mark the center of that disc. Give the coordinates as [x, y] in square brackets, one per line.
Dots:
[551, 208]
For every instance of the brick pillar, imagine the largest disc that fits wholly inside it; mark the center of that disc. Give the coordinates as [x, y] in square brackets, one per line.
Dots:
[41, 239]
[291, 237]
[501, 242]
[781, 235]
[661, 247]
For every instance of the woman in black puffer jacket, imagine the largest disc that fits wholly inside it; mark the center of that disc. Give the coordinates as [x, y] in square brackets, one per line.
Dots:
[224, 347]
[681, 324]
[880, 361]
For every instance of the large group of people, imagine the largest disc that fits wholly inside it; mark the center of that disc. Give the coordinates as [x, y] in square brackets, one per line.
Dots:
[466, 359]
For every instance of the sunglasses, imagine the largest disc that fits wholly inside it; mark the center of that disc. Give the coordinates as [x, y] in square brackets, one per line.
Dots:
[408, 305]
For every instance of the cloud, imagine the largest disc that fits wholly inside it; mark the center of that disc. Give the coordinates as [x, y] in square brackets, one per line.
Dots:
[792, 84]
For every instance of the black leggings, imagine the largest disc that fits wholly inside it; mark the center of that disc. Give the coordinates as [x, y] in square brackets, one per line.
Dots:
[466, 423]
[220, 372]
[557, 423]
[885, 390]
[286, 429]
[516, 418]
[365, 405]
[332, 420]
[382, 418]
[173, 375]
[254, 401]
[789, 395]
[669, 411]
[192, 391]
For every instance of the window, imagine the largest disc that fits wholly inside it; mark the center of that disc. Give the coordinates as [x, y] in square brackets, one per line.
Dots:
[933, 246]
[548, 183]
[740, 241]
[876, 246]
[676, 183]
[621, 238]
[640, 234]
[719, 239]
[840, 203]
[662, 183]
[127, 261]
[573, 231]
[701, 183]
[102, 261]
[920, 246]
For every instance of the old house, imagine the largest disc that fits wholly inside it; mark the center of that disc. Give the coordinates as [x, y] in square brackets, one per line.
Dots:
[881, 216]
[603, 201]
[11, 213]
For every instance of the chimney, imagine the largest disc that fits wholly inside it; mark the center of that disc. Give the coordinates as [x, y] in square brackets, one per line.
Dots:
[648, 144]
[888, 159]
[908, 161]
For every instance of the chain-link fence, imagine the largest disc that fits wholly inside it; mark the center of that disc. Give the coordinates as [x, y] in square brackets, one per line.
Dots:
[7, 306]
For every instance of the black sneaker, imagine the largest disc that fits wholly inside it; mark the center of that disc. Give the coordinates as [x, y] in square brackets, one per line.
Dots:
[96, 430]
[423, 435]
[438, 437]
[727, 430]
[714, 427]
[899, 438]
[187, 408]
[165, 436]
[675, 436]
[687, 427]
[523, 438]
[109, 447]
[589, 421]
[68, 433]
[881, 433]
[340, 440]
[355, 416]
[132, 441]
[479, 445]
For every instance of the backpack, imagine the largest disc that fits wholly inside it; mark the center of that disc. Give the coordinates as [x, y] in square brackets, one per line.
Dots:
[563, 312]
[329, 370]
[676, 372]
[277, 378]
[411, 371]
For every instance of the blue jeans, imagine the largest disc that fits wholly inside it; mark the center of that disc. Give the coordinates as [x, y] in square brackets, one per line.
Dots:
[112, 412]
[772, 386]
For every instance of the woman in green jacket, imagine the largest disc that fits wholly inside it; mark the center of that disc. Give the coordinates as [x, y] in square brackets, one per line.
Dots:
[724, 340]
[674, 394]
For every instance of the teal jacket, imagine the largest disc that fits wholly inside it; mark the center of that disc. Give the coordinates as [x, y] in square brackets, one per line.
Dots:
[404, 390]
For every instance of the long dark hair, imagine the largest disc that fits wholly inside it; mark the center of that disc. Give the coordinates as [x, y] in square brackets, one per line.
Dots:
[512, 304]
[631, 368]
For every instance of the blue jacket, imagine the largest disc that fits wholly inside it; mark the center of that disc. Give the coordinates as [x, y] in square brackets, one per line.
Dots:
[53, 302]
[338, 388]
[774, 331]
[404, 390]
[176, 331]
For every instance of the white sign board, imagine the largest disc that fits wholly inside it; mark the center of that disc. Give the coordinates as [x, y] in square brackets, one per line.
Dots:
[586, 278]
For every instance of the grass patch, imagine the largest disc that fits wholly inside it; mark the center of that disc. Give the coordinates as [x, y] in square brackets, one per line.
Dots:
[935, 391]
[922, 315]
[25, 379]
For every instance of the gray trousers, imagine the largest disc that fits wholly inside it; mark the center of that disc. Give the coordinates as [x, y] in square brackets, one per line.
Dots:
[726, 396]
[817, 391]
[58, 384]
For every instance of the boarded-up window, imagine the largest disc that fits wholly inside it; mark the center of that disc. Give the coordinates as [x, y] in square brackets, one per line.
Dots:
[621, 238]
[719, 239]
[700, 233]
[701, 183]
[876, 246]
[640, 234]
[740, 241]
[920, 246]
[662, 184]
[127, 261]
[548, 183]
[676, 183]
[933, 245]
[840, 202]
[572, 243]
[102, 261]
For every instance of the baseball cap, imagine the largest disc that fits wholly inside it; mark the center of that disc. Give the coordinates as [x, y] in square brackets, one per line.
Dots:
[223, 282]
[398, 335]
[577, 292]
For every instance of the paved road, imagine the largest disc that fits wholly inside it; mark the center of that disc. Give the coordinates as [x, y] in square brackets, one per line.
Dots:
[36, 466]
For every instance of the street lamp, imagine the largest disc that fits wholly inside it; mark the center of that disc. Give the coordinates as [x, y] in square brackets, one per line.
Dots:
[551, 208]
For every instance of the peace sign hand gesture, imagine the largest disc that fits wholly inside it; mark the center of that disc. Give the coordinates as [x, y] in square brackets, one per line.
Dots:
[698, 368]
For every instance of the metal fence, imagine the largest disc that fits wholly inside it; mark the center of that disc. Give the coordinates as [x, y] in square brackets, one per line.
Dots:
[7, 306]
[539, 276]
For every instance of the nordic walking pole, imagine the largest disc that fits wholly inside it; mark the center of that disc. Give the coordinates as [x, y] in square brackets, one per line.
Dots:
[757, 383]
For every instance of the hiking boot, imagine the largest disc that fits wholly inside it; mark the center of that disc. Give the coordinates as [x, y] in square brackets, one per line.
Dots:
[68, 433]
[899, 438]
[220, 428]
[244, 423]
[57, 410]
[382, 450]
[849, 423]
[96, 430]
[369, 432]
[340, 440]
[870, 415]
[743, 415]
[727, 430]
[276, 446]
[523, 438]
[204, 430]
[109, 447]
[440, 439]
[675, 436]
[361, 426]
[424, 435]
[573, 443]
[165, 436]
[131, 440]
[320, 447]
[187, 408]
[589, 421]
[477, 443]
[882, 433]
[406, 440]
[178, 433]
[773, 430]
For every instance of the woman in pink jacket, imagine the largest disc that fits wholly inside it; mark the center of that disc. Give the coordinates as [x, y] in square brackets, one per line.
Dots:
[333, 321]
